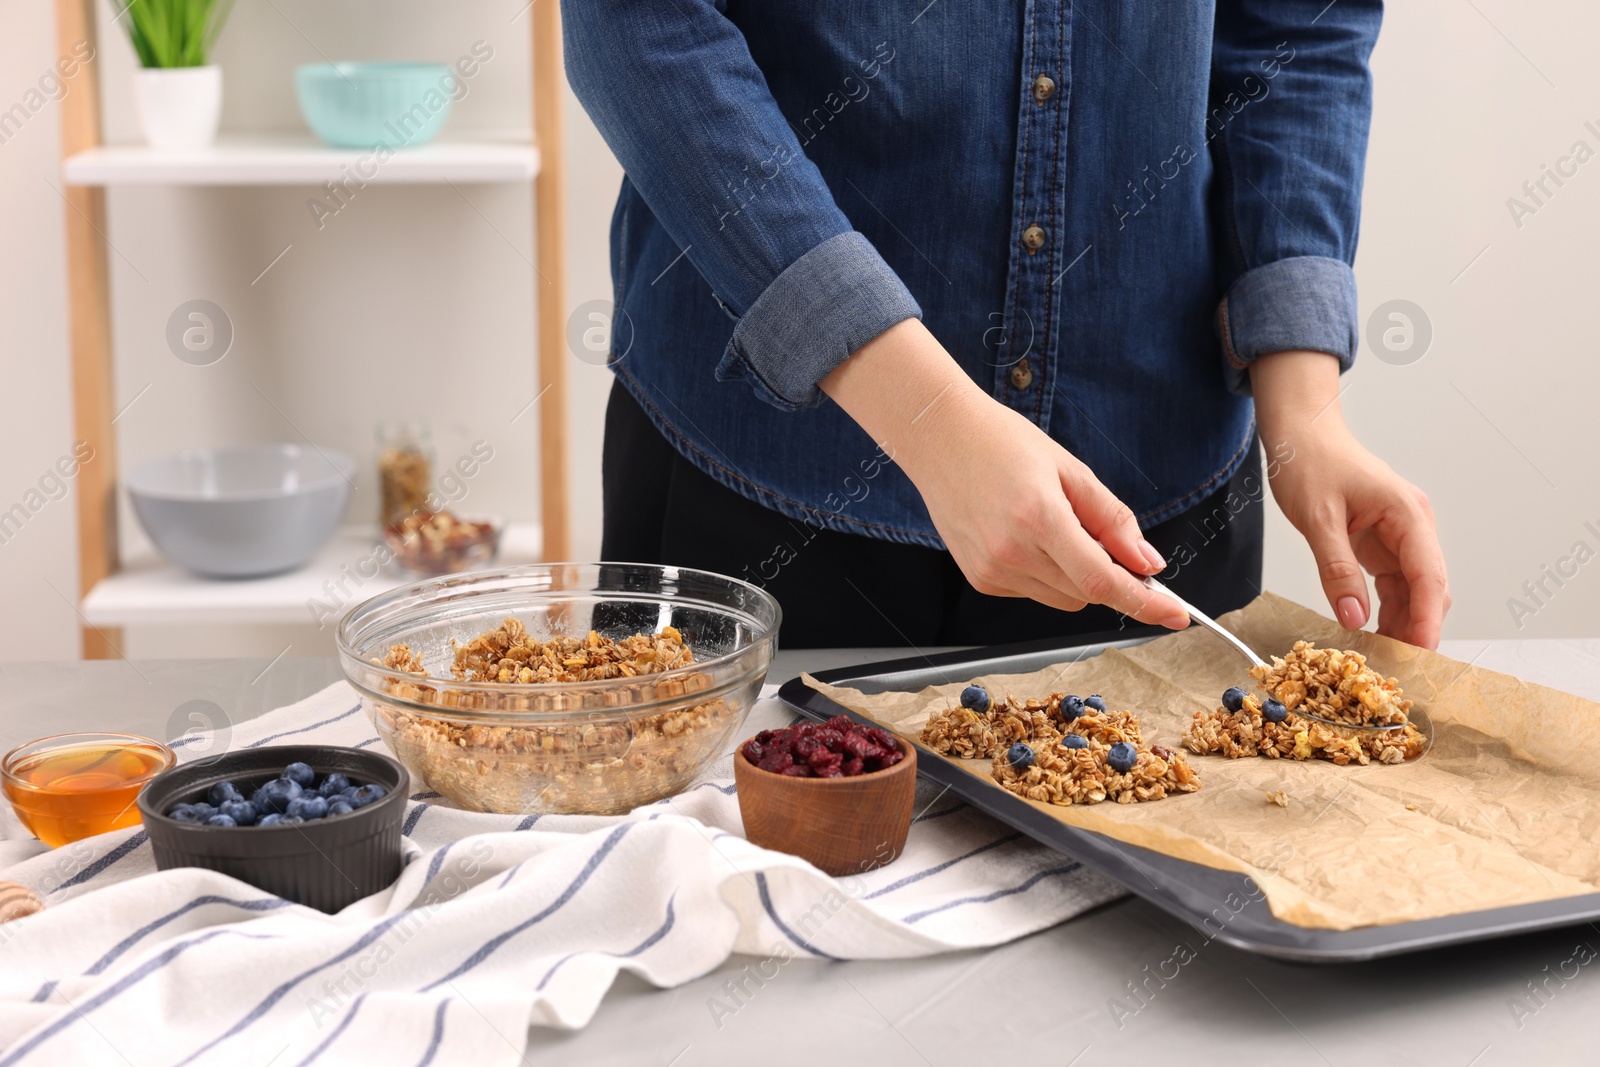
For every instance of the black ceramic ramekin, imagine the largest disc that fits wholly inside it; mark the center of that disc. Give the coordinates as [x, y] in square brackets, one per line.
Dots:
[325, 864]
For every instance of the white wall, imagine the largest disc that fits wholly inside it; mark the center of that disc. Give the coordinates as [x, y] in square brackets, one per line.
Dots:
[417, 301]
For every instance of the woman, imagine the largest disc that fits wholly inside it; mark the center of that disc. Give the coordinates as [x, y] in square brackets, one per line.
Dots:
[943, 321]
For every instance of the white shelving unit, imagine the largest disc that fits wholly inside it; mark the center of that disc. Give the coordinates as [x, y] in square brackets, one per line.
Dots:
[118, 592]
[291, 160]
[149, 590]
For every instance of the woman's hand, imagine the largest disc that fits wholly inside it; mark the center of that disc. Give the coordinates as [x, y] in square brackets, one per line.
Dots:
[1021, 516]
[1353, 509]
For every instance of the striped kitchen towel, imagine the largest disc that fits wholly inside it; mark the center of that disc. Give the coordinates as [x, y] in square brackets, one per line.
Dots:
[497, 923]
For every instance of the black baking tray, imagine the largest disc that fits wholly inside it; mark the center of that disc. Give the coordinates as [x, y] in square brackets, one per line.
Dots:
[1205, 897]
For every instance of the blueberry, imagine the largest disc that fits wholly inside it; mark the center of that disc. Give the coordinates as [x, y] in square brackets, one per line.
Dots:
[270, 820]
[1122, 757]
[367, 794]
[185, 813]
[1071, 707]
[308, 807]
[290, 820]
[202, 809]
[1020, 757]
[1273, 710]
[333, 785]
[339, 807]
[221, 820]
[1097, 702]
[1074, 741]
[223, 792]
[277, 794]
[349, 794]
[1233, 698]
[300, 774]
[241, 812]
[975, 698]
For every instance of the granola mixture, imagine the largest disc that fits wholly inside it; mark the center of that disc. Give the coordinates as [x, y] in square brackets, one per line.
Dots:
[403, 477]
[1278, 797]
[1237, 734]
[1062, 775]
[967, 734]
[1333, 684]
[595, 761]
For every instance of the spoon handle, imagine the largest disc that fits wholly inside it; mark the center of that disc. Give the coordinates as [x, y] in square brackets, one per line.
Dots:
[1205, 620]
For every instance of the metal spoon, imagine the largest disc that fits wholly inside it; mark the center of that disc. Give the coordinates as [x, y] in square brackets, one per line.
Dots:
[1246, 651]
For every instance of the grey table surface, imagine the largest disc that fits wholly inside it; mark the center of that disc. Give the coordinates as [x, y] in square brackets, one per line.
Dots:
[1061, 997]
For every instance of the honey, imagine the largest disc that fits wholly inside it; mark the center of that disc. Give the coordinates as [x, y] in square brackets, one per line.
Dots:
[76, 789]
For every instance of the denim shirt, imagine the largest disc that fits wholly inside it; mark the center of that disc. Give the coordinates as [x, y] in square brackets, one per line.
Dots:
[1103, 210]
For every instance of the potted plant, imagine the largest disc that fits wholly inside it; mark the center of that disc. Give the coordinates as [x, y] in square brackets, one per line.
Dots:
[179, 94]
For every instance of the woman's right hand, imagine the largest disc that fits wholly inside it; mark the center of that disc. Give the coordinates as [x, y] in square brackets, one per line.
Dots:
[1021, 516]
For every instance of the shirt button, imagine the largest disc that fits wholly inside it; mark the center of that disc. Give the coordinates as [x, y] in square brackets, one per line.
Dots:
[1021, 375]
[1033, 238]
[1044, 87]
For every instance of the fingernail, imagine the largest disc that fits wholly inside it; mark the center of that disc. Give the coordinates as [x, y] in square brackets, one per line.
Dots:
[1175, 622]
[1351, 616]
[1152, 557]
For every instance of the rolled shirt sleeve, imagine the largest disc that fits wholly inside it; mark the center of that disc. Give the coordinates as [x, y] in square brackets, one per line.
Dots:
[1291, 104]
[825, 305]
[675, 93]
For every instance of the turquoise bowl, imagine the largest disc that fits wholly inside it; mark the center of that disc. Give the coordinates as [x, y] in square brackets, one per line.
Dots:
[362, 105]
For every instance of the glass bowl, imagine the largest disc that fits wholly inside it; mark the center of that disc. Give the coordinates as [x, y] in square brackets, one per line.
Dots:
[598, 747]
[72, 786]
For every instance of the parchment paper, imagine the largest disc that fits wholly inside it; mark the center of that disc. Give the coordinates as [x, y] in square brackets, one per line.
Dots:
[1506, 798]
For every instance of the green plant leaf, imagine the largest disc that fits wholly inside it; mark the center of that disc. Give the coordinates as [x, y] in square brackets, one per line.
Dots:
[173, 33]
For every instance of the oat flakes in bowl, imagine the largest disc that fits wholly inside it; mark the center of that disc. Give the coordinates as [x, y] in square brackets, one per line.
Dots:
[561, 688]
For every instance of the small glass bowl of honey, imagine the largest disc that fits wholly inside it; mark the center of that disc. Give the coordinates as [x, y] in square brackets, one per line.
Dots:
[71, 786]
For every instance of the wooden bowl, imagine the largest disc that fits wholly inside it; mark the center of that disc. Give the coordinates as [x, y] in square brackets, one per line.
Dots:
[841, 825]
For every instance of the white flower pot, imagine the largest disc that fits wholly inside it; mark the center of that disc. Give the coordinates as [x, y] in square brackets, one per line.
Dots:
[179, 107]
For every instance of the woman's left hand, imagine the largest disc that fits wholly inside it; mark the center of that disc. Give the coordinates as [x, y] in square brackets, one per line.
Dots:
[1352, 508]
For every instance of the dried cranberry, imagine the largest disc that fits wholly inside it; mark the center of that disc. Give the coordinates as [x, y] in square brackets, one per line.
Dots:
[837, 748]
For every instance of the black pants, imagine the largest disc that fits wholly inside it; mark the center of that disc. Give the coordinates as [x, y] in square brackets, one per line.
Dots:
[846, 590]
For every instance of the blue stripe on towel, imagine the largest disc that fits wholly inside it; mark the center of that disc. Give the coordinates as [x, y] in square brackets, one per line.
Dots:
[103, 862]
[766, 902]
[940, 814]
[529, 821]
[259, 904]
[996, 895]
[411, 820]
[373, 934]
[642, 947]
[303, 729]
[438, 1034]
[489, 947]
[344, 1024]
[83, 1008]
[436, 863]
[368, 741]
[936, 868]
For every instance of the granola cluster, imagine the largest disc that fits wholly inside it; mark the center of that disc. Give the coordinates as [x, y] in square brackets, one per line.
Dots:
[511, 654]
[1063, 775]
[967, 734]
[1246, 732]
[1059, 774]
[1333, 684]
[594, 760]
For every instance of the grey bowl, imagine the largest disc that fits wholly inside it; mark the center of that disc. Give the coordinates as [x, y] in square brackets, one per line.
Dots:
[245, 511]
